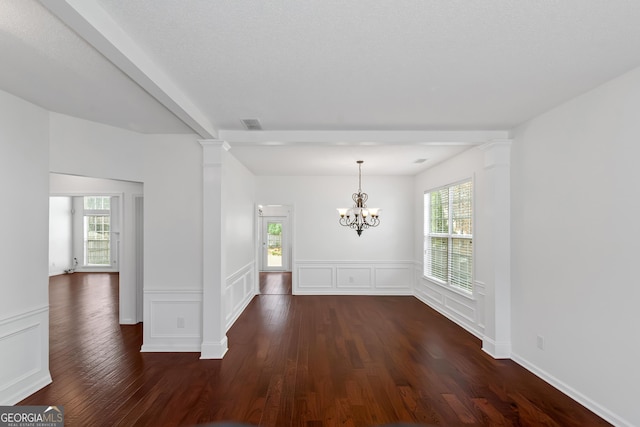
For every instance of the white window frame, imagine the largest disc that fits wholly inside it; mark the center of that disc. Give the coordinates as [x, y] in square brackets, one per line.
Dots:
[450, 236]
[89, 213]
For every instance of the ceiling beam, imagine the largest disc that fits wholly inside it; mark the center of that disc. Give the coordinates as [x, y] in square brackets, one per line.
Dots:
[248, 138]
[96, 26]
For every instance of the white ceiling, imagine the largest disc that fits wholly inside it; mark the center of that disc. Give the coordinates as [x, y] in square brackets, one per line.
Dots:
[373, 79]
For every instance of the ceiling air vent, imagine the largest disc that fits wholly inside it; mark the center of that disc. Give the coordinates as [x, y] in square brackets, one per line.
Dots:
[252, 124]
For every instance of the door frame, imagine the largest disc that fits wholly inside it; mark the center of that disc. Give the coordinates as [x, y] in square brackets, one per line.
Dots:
[138, 226]
[286, 246]
[281, 211]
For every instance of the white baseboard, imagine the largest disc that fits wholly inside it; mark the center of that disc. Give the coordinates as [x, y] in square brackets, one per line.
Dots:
[572, 393]
[214, 350]
[170, 348]
[497, 350]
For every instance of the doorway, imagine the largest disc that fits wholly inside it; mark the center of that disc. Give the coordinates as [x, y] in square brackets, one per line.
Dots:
[275, 247]
[125, 244]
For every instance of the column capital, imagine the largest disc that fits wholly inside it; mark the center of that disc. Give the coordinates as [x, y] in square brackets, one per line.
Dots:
[497, 152]
[496, 143]
[215, 143]
[212, 150]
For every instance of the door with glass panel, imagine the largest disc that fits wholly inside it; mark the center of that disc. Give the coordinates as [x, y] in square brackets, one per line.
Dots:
[275, 251]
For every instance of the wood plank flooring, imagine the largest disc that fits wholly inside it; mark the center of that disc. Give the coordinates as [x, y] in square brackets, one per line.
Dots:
[312, 361]
[275, 283]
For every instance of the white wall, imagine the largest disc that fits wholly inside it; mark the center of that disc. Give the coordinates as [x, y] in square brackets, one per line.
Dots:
[173, 242]
[238, 208]
[60, 235]
[332, 259]
[575, 233]
[173, 212]
[467, 311]
[84, 148]
[317, 232]
[239, 237]
[24, 227]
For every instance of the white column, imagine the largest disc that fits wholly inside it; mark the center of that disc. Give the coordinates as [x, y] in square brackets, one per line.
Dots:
[497, 332]
[214, 339]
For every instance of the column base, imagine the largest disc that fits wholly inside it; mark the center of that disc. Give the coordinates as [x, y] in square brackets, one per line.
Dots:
[214, 350]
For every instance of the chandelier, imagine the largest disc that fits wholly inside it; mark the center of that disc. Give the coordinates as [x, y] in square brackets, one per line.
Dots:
[359, 216]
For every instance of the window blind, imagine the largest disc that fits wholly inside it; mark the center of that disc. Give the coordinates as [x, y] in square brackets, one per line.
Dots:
[448, 244]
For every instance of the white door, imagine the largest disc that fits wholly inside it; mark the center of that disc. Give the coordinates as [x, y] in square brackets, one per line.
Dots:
[275, 249]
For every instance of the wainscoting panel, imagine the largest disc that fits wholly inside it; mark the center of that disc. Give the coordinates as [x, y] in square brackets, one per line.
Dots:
[453, 305]
[353, 278]
[314, 277]
[394, 277]
[172, 320]
[240, 288]
[26, 371]
[462, 309]
[479, 294]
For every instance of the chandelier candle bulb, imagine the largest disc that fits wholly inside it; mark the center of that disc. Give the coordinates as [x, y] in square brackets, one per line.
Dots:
[363, 217]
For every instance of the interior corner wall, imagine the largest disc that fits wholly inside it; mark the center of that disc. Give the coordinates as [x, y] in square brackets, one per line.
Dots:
[466, 311]
[24, 227]
[574, 245]
[332, 259]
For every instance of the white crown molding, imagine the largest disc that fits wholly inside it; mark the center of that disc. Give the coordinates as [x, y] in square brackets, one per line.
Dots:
[250, 138]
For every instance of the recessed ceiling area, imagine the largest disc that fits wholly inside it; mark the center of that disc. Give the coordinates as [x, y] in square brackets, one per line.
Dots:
[315, 67]
[341, 160]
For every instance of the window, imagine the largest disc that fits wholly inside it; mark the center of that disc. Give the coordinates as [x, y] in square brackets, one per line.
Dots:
[97, 230]
[448, 236]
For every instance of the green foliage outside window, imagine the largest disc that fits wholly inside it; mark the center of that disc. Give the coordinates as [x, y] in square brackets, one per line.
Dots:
[274, 228]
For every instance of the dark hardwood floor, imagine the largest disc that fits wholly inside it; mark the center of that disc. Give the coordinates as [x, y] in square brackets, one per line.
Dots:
[313, 361]
[275, 283]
